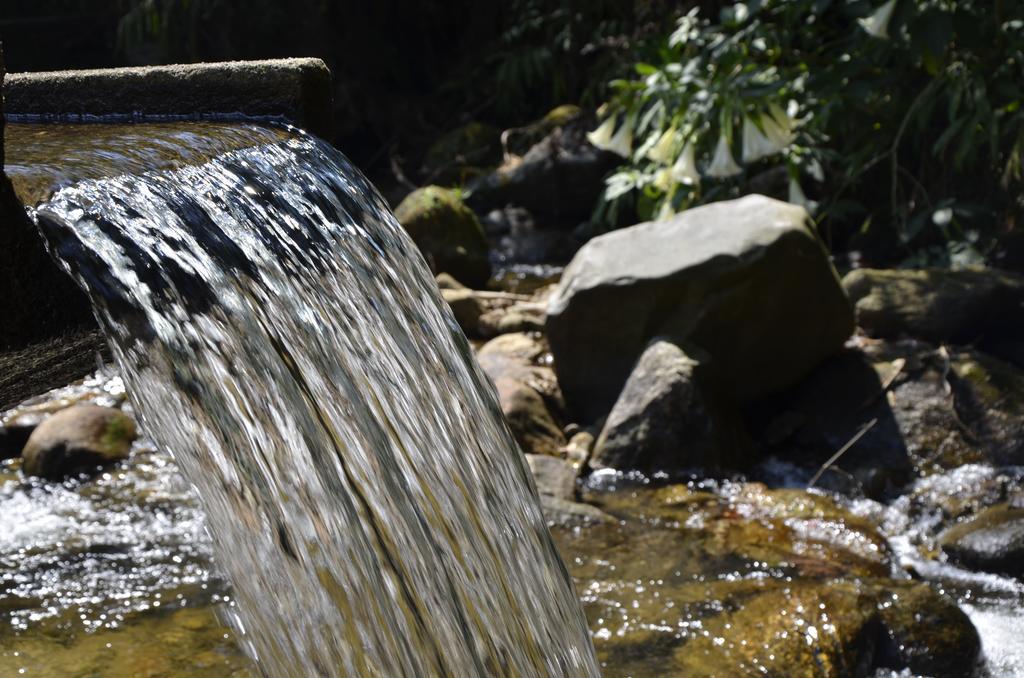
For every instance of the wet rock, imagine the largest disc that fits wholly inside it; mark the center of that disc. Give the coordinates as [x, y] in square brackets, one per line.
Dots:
[732, 278]
[992, 541]
[447, 233]
[934, 410]
[562, 176]
[77, 439]
[810, 630]
[527, 391]
[806, 533]
[811, 422]
[664, 420]
[926, 633]
[553, 476]
[564, 513]
[937, 304]
[463, 153]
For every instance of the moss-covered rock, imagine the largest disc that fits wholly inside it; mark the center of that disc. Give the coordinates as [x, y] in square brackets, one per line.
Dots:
[938, 304]
[463, 153]
[447, 232]
[78, 439]
[797, 630]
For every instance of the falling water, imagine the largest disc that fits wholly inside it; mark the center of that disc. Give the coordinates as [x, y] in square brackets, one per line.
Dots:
[281, 335]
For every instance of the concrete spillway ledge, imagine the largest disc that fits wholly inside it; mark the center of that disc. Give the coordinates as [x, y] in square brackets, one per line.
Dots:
[296, 90]
[48, 337]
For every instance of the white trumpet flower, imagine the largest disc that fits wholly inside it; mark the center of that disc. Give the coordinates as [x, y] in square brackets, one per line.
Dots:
[663, 180]
[877, 25]
[755, 144]
[602, 136]
[722, 165]
[778, 126]
[685, 168]
[661, 151]
[622, 142]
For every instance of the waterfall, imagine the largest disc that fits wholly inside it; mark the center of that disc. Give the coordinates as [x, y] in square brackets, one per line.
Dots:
[282, 337]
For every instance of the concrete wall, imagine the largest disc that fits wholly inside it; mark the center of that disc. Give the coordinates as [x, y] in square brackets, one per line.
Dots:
[48, 336]
[298, 90]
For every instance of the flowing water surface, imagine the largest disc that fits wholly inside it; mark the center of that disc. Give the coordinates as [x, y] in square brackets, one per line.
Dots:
[353, 504]
[282, 335]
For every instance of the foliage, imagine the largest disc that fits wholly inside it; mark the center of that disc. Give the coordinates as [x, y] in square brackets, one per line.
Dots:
[905, 112]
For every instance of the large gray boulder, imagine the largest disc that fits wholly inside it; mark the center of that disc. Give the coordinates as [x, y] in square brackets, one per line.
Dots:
[745, 280]
[665, 421]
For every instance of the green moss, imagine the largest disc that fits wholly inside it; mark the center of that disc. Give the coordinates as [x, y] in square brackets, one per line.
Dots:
[798, 630]
[447, 233]
[118, 434]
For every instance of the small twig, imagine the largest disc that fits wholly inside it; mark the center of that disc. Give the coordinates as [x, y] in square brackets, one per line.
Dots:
[842, 450]
[898, 364]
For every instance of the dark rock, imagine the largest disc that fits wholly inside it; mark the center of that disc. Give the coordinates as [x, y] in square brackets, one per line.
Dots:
[77, 439]
[14, 436]
[926, 633]
[562, 177]
[527, 391]
[664, 420]
[746, 280]
[937, 304]
[811, 422]
[447, 233]
[992, 541]
[463, 153]
[522, 139]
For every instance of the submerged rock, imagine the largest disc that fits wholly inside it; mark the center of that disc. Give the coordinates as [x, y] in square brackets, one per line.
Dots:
[447, 233]
[665, 421]
[77, 439]
[745, 280]
[527, 391]
[820, 416]
[564, 513]
[992, 541]
[938, 304]
[926, 632]
[798, 630]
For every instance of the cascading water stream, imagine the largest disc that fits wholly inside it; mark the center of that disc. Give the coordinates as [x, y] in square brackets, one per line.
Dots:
[282, 336]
